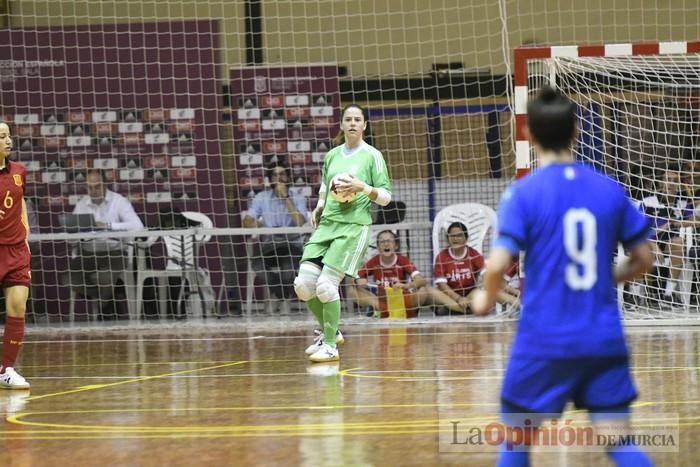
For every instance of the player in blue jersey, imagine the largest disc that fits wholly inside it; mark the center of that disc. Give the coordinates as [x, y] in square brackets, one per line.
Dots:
[569, 345]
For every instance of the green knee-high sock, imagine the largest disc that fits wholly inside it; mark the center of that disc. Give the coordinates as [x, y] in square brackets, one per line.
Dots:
[316, 307]
[331, 316]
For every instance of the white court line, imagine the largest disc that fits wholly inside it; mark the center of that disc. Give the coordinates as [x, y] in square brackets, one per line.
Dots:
[463, 370]
[130, 339]
[358, 372]
[230, 375]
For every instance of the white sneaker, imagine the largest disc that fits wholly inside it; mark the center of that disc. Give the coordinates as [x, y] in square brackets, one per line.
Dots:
[315, 345]
[325, 354]
[10, 379]
[318, 341]
[339, 339]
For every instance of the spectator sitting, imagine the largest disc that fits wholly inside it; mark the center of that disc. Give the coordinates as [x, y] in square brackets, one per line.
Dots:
[279, 253]
[389, 269]
[458, 267]
[96, 265]
[669, 210]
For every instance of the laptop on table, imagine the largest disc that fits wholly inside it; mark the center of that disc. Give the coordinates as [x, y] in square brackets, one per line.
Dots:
[77, 222]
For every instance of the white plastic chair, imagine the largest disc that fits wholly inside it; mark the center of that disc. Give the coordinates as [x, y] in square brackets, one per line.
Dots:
[182, 262]
[479, 219]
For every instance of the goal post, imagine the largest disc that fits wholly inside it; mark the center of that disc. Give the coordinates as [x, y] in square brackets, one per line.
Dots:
[639, 123]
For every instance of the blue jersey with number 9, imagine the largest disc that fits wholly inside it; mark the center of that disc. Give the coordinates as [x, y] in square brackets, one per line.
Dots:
[568, 219]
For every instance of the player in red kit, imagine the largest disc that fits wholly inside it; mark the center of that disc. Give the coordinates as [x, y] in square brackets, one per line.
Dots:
[15, 275]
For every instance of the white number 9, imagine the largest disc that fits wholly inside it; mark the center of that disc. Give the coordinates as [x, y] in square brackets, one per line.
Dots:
[582, 271]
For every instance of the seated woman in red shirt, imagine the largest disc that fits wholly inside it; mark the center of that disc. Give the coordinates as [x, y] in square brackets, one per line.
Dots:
[390, 269]
[458, 267]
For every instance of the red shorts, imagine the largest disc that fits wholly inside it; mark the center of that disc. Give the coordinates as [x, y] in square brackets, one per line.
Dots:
[14, 265]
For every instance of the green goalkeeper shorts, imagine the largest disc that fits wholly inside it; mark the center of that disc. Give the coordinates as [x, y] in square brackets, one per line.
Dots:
[341, 246]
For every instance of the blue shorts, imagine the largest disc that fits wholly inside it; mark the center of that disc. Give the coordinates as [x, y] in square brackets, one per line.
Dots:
[545, 386]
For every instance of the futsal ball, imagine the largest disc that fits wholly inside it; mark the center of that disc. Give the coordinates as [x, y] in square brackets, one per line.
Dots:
[344, 197]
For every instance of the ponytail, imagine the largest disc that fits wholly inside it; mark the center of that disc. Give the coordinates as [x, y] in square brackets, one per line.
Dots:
[340, 137]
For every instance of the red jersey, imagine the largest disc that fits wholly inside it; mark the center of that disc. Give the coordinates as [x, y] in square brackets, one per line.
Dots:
[402, 269]
[459, 273]
[13, 224]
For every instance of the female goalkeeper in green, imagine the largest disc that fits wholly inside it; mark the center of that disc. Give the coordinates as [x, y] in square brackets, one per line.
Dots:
[354, 175]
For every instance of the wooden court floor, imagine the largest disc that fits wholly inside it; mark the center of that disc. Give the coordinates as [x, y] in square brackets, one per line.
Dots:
[226, 396]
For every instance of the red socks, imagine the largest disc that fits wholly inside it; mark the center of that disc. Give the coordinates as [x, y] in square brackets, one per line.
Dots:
[12, 340]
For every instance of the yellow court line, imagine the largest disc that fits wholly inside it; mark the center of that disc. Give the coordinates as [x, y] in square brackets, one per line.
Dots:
[306, 433]
[78, 365]
[648, 421]
[284, 430]
[350, 372]
[296, 360]
[92, 387]
[317, 433]
[408, 377]
[90, 365]
[639, 420]
[664, 370]
[346, 372]
[267, 408]
[312, 408]
[242, 428]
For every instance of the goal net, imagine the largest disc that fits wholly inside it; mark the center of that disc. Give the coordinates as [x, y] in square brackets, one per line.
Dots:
[185, 106]
[639, 121]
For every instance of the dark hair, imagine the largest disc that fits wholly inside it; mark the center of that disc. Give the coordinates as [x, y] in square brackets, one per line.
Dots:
[269, 170]
[459, 225]
[99, 172]
[551, 118]
[397, 241]
[340, 137]
[387, 231]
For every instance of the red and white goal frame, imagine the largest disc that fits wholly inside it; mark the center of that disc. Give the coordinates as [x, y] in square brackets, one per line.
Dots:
[524, 54]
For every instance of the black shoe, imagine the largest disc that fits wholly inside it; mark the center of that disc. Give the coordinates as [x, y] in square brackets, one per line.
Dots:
[370, 312]
[442, 311]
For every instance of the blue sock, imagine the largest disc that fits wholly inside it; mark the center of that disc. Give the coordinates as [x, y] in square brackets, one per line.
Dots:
[629, 456]
[516, 456]
[508, 458]
[624, 455]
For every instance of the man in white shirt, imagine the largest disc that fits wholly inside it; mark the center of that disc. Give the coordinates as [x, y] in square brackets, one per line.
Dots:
[111, 210]
[97, 265]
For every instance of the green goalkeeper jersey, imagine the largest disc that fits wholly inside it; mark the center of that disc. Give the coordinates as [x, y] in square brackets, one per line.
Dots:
[364, 162]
